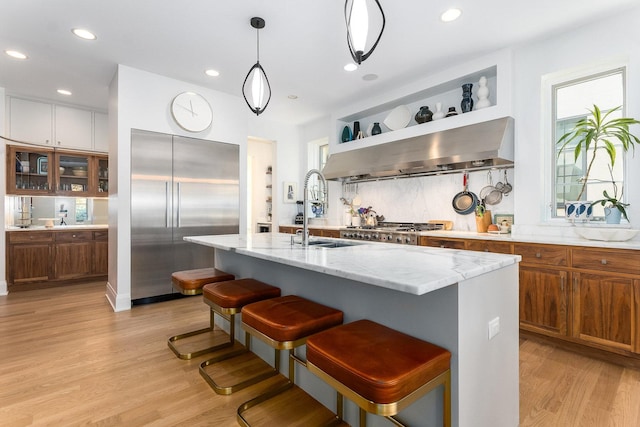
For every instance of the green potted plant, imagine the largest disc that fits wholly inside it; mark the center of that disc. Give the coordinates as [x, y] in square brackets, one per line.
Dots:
[599, 132]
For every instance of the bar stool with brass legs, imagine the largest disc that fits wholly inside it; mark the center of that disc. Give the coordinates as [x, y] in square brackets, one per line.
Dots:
[191, 282]
[381, 370]
[284, 323]
[227, 299]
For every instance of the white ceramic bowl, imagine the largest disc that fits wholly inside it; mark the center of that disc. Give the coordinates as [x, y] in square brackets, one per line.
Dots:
[606, 234]
[398, 118]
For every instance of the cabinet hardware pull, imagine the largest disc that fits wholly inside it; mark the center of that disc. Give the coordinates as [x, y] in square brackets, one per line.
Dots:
[538, 255]
[73, 235]
[604, 262]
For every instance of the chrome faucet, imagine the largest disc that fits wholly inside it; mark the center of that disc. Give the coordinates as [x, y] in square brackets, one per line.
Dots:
[323, 198]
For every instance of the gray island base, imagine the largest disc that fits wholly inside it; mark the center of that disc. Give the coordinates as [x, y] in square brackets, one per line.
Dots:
[447, 297]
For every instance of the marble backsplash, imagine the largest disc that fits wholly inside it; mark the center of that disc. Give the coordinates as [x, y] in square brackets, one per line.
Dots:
[427, 198]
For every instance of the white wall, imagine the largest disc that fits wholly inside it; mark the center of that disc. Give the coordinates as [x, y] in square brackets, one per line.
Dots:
[141, 100]
[419, 199]
[3, 192]
[286, 165]
[597, 42]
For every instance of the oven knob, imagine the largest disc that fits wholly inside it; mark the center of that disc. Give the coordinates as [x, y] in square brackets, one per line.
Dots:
[389, 237]
[367, 237]
[374, 237]
[408, 239]
[399, 239]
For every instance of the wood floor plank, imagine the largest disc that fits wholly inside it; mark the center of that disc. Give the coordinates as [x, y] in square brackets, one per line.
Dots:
[68, 360]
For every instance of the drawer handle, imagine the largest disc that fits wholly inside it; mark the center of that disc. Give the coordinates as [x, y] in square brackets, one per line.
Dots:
[73, 235]
[538, 255]
[604, 262]
[486, 249]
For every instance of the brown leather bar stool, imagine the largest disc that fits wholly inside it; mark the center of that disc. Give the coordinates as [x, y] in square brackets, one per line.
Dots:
[191, 282]
[227, 299]
[382, 370]
[284, 323]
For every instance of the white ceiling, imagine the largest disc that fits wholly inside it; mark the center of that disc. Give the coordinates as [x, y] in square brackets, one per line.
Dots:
[302, 48]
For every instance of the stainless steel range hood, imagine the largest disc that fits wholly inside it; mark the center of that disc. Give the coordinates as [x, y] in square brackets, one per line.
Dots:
[479, 146]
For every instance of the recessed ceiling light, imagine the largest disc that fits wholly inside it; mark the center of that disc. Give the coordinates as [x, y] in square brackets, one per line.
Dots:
[450, 15]
[15, 54]
[369, 77]
[350, 67]
[64, 92]
[212, 73]
[84, 34]
[292, 96]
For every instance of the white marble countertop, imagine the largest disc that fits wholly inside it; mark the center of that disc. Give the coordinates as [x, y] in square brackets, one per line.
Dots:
[412, 269]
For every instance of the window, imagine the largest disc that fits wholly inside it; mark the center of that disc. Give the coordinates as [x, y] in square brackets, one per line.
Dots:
[571, 102]
[323, 154]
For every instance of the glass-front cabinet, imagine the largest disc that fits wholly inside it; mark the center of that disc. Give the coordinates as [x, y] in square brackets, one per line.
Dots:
[47, 172]
[102, 170]
[73, 174]
[28, 170]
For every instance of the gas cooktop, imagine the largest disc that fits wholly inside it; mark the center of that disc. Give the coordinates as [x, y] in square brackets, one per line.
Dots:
[391, 232]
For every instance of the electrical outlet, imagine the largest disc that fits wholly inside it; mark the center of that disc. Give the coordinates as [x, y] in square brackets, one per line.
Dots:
[494, 327]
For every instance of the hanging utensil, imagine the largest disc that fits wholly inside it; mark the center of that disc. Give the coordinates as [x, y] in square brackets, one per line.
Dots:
[489, 194]
[506, 189]
[465, 202]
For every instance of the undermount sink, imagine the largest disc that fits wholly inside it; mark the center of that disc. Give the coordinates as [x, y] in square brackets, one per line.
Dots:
[330, 244]
[606, 234]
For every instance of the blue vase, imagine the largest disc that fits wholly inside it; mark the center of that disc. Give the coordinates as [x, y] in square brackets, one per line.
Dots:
[467, 102]
[612, 215]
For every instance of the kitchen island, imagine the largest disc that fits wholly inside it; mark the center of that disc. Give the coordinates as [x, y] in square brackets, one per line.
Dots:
[447, 297]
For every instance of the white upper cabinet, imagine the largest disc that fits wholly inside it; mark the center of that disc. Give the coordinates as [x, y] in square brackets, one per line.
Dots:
[56, 126]
[73, 128]
[30, 121]
[100, 132]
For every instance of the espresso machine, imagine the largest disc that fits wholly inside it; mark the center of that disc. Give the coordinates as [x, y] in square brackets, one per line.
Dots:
[299, 219]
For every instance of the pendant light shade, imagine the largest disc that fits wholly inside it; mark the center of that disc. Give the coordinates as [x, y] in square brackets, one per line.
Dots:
[256, 88]
[356, 14]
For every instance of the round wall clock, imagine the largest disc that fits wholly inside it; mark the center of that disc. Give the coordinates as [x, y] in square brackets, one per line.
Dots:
[191, 111]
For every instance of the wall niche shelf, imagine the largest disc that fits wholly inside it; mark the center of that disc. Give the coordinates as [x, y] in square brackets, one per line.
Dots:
[444, 87]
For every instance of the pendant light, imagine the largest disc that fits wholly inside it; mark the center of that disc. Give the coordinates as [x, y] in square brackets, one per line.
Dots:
[356, 15]
[256, 85]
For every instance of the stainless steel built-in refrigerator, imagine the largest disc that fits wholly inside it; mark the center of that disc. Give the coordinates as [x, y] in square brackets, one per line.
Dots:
[179, 187]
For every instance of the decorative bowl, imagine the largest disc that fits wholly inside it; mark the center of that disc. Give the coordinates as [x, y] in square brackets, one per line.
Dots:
[606, 234]
[398, 118]
[62, 170]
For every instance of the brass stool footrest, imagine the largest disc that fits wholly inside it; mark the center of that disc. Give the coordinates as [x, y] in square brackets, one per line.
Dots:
[171, 342]
[243, 359]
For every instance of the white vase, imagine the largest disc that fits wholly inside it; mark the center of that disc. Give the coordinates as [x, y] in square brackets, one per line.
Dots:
[483, 94]
[578, 211]
[439, 113]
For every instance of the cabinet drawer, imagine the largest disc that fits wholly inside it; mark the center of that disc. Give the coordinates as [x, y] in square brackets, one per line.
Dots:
[620, 260]
[542, 254]
[441, 243]
[74, 236]
[30, 237]
[489, 246]
[101, 235]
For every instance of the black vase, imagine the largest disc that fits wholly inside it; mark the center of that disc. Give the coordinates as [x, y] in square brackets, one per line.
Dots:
[452, 112]
[467, 103]
[356, 129]
[376, 130]
[424, 115]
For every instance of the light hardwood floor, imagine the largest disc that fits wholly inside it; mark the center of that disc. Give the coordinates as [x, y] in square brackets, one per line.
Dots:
[66, 359]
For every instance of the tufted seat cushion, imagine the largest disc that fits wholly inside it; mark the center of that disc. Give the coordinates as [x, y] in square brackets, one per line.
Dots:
[238, 293]
[379, 363]
[193, 280]
[290, 318]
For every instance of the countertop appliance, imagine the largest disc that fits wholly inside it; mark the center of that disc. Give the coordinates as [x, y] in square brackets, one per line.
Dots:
[179, 187]
[299, 218]
[391, 232]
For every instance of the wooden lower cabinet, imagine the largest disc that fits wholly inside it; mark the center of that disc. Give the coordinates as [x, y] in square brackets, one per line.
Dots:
[589, 296]
[54, 256]
[543, 300]
[605, 310]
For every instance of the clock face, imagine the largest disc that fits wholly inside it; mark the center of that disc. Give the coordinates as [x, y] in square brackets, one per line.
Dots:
[191, 112]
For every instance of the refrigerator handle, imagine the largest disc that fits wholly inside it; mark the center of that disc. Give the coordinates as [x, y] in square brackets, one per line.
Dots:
[178, 202]
[167, 211]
